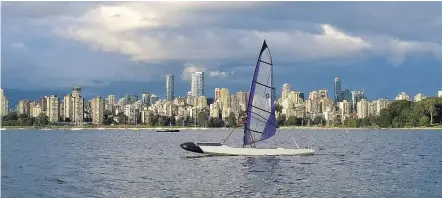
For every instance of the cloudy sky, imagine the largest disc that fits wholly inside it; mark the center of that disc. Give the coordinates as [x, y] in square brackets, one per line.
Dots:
[382, 48]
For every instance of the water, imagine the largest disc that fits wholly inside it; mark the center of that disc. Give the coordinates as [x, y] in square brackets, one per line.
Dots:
[384, 163]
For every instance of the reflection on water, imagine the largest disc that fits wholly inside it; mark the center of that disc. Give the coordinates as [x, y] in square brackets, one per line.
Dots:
[146, 164]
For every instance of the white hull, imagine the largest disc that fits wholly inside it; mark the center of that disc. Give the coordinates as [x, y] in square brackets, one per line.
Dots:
[76, 129]
[2, 129]
[226, 150]
[220, 149]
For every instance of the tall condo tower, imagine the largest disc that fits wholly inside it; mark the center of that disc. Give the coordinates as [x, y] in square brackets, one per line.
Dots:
[337, 90]
[170, 88]
[197, 84]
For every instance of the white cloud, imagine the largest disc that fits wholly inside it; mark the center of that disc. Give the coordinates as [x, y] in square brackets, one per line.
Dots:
[189, 69]
[19, 45]
[217, 74]
[156, 31]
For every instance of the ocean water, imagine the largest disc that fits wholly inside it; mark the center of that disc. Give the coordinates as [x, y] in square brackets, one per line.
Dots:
[357, 163]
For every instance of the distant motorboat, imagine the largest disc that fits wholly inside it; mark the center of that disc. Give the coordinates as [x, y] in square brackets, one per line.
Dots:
[168, 130]
[46, 129]
[2, 129]
[76, 129]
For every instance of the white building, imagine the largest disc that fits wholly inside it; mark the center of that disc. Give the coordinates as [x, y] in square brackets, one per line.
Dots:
[52, 110]
[362, 107]
[197, 84]
[170, 87]
[403, 96]
[439, 93]
[286, 89]
[419, 97]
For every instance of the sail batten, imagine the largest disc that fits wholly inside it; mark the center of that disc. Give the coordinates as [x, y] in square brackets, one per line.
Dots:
[261, 117]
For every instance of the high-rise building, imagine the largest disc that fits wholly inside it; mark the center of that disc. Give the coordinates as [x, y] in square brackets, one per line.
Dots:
[381, 104]
[4, 104]
[197, 84]
[356, 96]
[52, 110]
[78, 106]
[153, 99]
[170, 88]
[35, 109]
[337, 90]
[419, 97]
[111, 99]
[403, 96]
[97, 105]
[323, 93]
[145, 98]
[286, 89]
[24, 107]
[346, 95]
[439, 93]
[362, 107]
[217, 93]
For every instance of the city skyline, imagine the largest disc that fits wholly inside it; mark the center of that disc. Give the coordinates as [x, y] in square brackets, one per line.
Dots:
[374, 56]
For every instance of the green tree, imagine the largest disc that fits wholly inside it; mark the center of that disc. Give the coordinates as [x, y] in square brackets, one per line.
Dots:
[293, 121]
[163, 121]
[319, 120]
[424, 121]
[180, 121]
[384, 120]
[430, 106]
[231, 119]
[203, 119]
[154, 119]
[365, 122]
[216, 122]
[337, 121]
[278, 108]
[108, 117]
[281, 120]
[122, 119]
[42, 120]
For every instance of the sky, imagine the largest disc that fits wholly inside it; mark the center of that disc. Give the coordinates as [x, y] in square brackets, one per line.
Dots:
[382, 48]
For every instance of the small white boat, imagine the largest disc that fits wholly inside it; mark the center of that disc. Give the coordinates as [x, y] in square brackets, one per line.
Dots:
[261, 118]
[2, 129]
[76, 129]
[46, 129]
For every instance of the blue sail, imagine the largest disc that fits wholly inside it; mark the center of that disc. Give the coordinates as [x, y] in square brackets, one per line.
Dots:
[261, 119]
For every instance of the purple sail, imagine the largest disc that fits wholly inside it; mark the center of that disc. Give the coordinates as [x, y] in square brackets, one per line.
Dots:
[261, 119]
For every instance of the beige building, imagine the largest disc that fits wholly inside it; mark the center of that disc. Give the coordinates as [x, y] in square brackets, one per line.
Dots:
[73, 106]
[4, 103]
[97, 105]
[286, 89]
[362, 107]
[419, 97]
[35, 109]
[381, 104]
[52, 110]
[403, 96]
[24, 107]
[345, 108]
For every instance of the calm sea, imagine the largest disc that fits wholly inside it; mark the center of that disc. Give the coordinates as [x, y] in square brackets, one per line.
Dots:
[357, 163]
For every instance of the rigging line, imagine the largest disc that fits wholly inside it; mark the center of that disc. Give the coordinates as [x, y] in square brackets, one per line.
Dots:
[229, 135]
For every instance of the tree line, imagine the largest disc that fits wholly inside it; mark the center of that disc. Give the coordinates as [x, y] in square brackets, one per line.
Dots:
[401, 113]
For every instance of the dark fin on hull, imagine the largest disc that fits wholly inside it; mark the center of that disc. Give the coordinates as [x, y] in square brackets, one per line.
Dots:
[192, 147]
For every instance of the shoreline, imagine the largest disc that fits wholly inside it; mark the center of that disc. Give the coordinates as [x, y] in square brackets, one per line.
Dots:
[136, 128]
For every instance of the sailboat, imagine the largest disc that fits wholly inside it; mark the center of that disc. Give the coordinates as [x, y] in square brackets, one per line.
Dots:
[261, 118]
[170, 123]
